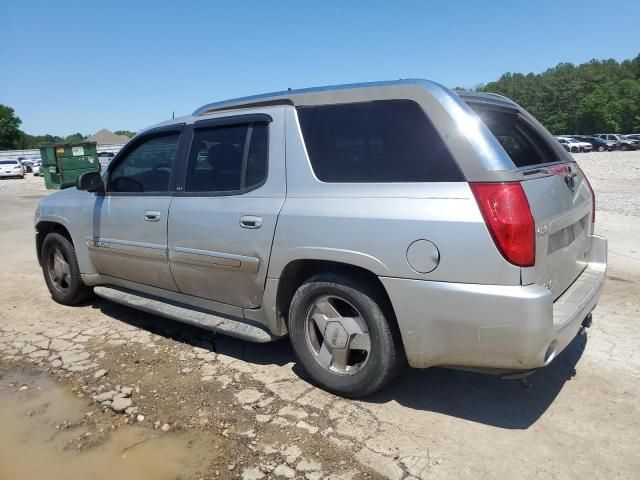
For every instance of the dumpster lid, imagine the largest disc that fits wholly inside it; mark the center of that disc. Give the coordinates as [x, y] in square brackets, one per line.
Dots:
[66, 144]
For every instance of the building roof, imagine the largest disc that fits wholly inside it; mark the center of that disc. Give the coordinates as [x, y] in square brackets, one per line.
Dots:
[106, 137]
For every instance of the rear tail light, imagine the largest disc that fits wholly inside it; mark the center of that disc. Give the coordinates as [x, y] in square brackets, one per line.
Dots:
[593, 199]
[507, 215]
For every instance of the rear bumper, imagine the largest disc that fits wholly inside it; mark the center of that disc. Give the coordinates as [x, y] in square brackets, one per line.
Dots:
[493, 326]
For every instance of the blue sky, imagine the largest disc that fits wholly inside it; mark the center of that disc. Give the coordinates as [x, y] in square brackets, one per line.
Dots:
[68, 66]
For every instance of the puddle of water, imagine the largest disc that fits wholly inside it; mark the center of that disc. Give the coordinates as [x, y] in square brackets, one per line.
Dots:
[32, 447]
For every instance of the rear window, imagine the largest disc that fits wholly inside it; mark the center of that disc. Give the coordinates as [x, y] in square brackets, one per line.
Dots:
[521, 142]
[375, 142]
[8, 162]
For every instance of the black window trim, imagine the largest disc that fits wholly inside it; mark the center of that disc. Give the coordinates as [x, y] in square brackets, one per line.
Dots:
[233, 120]
[162, 131]
[249, 120]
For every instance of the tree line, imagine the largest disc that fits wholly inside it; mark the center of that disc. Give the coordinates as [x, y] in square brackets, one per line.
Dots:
[12, 138]
[600, 96]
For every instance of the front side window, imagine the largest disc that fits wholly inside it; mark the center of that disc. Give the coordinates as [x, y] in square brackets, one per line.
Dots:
[380, 141]
[147, 168]
[228, 159]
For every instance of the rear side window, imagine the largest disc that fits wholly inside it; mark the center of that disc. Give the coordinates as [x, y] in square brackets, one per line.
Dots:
[380, 141]
[521, 142]
[228, 159]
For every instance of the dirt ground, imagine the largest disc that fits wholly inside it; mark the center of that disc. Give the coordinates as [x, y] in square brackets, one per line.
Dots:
[101, 390]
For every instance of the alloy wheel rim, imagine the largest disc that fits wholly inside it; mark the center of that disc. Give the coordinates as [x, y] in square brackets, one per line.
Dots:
[59, 270]
[337, 335]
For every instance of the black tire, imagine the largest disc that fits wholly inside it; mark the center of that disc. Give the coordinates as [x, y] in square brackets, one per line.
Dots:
[624, 148]
[386, 355]
[574, 150]
[601, 148]
[69, 290]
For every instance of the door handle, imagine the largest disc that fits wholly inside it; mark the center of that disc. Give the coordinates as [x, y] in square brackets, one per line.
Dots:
[249, 221]
[151, 216]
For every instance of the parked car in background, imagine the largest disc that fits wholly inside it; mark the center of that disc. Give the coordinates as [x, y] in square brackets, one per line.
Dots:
[584, 146]
[11, 168]
[26, 165]
[105, 158]
[621, 142]
[635, 139]
[572, 145]
[597, 144]
[634, 136]
[266, 216]
[37, 169]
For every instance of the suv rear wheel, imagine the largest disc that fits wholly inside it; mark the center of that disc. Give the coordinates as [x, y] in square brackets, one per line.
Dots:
[341, 335]
[61, 271]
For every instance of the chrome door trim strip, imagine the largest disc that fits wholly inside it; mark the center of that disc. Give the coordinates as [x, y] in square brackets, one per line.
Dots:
[207, 258]
[124, 247]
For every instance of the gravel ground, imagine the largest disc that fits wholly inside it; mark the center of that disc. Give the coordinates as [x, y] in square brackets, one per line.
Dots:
[615, 177]
[580, 418]
[26, 185]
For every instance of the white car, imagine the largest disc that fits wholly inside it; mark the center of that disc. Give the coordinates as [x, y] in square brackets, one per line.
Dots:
[11, 168]
[584, 146]
[572, 145]
[36, 169]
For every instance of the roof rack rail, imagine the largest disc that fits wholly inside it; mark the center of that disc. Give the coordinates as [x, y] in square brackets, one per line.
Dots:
[285, 97]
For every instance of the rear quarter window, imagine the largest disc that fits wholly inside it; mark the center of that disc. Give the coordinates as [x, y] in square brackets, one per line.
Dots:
[519, 139]
[375, 142]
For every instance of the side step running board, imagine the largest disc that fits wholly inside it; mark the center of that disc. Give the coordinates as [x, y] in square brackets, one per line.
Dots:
[209, 321]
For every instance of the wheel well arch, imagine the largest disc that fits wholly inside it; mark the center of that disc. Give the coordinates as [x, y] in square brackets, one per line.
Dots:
[297, 272]
[43, 229]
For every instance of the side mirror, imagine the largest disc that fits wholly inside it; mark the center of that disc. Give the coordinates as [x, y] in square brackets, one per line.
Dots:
[90, 181]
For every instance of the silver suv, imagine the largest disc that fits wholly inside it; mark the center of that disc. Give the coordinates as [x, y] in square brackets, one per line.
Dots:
[375, 224]
[619, 140]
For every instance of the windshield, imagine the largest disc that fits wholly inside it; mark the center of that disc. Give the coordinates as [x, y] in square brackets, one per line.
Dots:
[8, 162]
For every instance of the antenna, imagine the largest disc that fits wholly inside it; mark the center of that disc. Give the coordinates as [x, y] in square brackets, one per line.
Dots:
[173, 114]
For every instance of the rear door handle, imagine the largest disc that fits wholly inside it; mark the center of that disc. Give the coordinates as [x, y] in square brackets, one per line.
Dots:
[151, 216]
[249, 221]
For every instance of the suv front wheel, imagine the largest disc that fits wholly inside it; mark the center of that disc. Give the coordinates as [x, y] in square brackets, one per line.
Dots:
[342, 337]
[61, 271]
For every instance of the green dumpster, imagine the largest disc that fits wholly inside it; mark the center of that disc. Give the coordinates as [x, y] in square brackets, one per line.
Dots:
[63, 163]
